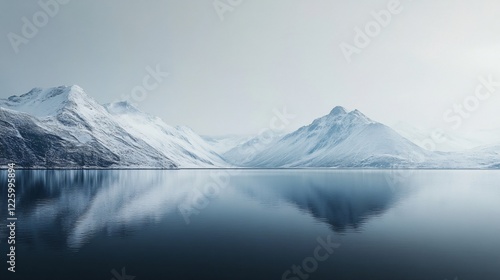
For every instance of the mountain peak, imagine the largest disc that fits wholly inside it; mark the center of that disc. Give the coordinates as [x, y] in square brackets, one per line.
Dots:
[358, 117]
[42, 102]
[356, 112]
[120, 107]
[340, 113]
[75, 89]
[338, 110]
[43, 94]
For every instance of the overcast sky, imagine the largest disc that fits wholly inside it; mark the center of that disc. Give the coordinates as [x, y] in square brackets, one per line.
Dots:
[228, 69]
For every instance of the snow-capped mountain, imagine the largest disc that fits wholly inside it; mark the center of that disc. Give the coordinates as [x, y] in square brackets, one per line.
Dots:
[344, 139]
[245, 151]
[180, 144]
[446, 140]
[341, 139]
[481, 157]
[222, 144]
[64, 127]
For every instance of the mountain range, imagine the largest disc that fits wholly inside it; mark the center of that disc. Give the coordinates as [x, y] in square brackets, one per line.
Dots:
[63, 127]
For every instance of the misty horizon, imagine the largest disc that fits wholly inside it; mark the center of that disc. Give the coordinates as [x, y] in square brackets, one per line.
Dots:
[226, 68]
[279, 124]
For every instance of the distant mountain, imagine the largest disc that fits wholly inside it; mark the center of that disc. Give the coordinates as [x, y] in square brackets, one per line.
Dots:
[180, 144]
[222, 144]
[341, 139]
[481, 157]
[448, 141]
[65, 128]
[244, 152]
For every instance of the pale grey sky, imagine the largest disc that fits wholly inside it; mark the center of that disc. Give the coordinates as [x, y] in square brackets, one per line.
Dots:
[226, 76]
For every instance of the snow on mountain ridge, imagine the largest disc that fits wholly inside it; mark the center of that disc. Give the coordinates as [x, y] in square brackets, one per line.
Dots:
[338, 110]
[49, 102]
[180, 143]
[447, 140]
[222, 144]
[63, 126]
[125, 135]
[339, 139]
[121, 107]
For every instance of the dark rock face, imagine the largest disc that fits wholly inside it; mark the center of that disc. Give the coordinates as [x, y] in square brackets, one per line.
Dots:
[28, 145]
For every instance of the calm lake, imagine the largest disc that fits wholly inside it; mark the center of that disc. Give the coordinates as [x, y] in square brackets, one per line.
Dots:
[254, 224]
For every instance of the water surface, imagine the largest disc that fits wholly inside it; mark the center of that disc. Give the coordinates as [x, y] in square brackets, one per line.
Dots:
[255, 224]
